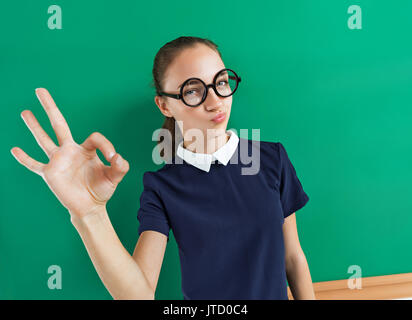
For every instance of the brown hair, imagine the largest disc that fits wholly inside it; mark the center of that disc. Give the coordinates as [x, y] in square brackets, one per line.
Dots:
[162, 60]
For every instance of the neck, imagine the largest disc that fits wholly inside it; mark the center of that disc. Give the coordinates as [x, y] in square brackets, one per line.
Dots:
[208, 145]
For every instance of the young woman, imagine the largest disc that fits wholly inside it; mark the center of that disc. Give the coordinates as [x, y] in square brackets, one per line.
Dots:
[236, 232]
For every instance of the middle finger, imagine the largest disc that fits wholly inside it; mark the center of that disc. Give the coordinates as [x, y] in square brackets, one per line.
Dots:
[56, 118]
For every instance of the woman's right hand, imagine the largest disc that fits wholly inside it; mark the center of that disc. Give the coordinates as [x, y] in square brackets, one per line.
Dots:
[75, 173]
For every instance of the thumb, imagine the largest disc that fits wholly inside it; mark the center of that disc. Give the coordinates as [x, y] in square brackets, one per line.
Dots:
[119, 167]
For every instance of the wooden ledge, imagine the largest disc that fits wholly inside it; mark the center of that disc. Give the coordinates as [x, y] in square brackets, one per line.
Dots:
[395, 286]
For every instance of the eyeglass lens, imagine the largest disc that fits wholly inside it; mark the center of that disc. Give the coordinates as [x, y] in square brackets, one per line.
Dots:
[194, 90]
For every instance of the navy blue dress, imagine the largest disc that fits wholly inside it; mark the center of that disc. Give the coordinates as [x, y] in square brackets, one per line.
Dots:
[227, 225]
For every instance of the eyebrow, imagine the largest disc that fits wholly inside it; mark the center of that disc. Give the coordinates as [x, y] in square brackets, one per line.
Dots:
[182, 83]
[223, 74]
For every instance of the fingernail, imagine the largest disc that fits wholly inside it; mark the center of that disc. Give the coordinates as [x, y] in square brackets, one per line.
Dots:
[119, 159]
[111, 155]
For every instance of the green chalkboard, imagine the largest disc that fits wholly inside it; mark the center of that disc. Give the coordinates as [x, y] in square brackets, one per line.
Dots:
[337, 92]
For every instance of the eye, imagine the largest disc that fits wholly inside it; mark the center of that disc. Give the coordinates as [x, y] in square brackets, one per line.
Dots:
[186, 92]
[224, 82]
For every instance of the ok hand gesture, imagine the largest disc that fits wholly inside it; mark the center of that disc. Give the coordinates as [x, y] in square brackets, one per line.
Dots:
[75, 174]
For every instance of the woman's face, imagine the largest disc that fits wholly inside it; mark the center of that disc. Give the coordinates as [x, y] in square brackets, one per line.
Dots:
[199, 62]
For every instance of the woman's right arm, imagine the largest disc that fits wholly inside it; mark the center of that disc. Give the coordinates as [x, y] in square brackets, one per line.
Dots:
[83, 184]
[119, 272]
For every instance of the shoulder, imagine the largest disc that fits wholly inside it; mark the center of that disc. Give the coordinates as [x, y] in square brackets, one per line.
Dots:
[276, 150]
[155, 177]
[268, 150]
[263, 144]
[263, 152]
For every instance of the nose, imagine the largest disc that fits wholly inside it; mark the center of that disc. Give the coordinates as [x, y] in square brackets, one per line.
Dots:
[213, 101]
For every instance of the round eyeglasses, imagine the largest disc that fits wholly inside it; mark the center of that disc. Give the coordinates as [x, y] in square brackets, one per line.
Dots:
[193, 91]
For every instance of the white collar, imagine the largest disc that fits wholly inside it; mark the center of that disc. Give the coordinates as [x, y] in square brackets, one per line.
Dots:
[204, 160]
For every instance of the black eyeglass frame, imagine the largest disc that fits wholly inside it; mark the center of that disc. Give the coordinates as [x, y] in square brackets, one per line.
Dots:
[207, 86]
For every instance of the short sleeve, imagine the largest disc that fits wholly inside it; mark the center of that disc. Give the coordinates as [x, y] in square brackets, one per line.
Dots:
[292, 195]
[152, 213]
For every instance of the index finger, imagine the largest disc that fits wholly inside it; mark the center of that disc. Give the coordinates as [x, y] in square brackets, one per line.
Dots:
[57, 120]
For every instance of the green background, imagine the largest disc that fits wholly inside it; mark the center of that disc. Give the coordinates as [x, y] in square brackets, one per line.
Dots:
[338, 99]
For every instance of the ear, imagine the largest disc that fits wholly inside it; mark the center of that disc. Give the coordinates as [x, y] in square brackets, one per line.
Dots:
[162, 105]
